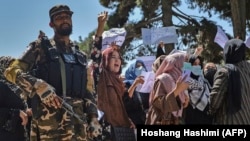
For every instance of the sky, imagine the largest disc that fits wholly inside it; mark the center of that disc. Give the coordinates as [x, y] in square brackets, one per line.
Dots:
[21, 21]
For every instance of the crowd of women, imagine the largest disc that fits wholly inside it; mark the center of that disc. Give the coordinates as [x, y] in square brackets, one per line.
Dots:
[209, 94]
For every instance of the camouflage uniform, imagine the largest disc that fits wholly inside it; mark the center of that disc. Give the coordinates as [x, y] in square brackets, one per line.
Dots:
[12, 100]
[58, 125]
[49, 123]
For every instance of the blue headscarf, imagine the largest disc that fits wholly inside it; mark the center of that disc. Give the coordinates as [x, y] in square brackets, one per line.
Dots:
[130, 74]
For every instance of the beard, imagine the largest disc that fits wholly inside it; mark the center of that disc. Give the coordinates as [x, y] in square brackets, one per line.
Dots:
[64, 31]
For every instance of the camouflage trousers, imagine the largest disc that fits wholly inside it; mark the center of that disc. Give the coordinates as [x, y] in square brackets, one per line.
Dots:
[59, 125]
[106, 130]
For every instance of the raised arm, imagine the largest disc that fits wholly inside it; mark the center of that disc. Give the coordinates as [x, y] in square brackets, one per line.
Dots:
[102, 18]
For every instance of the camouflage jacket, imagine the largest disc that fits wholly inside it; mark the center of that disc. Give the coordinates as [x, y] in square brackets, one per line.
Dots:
[18, 72]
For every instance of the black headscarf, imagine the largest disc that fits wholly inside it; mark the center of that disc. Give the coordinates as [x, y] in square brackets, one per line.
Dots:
[159, 51]
[234, 52]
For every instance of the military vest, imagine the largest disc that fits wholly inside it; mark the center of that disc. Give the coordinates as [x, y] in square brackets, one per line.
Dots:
[75, 69]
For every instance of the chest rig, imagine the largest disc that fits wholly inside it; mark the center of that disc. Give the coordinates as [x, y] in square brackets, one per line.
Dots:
[74, 68]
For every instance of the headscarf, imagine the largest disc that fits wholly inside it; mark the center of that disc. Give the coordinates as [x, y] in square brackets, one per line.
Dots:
[157, 63]
[159, 50]
[171, 69]
[233, 53]
[172, 62]
[110, 79]
[209, 72]
[130, 74]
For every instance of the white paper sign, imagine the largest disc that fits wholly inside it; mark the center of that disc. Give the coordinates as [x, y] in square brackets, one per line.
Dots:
[164, 34]
[114, 35]
[147, 86]
[146, 36]
[247, 42]
[220, 37]
[156, 35]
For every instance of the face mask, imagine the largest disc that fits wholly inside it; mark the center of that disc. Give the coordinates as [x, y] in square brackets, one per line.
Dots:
[186, 66]
[139, 70]
[209, 75]
[196, 70]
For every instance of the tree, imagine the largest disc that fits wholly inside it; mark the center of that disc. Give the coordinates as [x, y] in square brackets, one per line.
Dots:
[230, 10]
[192, 30]
[238, 10]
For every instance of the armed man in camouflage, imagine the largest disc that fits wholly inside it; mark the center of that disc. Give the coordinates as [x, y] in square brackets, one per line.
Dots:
[13, 107]
[54, 71]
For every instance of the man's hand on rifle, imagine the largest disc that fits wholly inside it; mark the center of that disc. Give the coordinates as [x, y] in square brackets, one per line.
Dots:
[94, 129]
[53, 101]
[47, 94]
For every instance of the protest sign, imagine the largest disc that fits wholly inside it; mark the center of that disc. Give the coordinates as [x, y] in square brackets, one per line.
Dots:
[114, 35]
[220, 37]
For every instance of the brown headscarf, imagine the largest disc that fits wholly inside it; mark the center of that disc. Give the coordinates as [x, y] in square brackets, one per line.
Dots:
[110, 90]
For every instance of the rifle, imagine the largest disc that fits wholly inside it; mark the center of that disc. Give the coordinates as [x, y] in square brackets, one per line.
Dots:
[70, 110]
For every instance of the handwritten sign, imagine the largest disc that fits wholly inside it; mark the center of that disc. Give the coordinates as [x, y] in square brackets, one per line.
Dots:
[156, 35]
[114, 35]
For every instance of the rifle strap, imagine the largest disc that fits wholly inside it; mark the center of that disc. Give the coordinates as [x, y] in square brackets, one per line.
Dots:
[140, 100]
[46, 43]
[63, 76]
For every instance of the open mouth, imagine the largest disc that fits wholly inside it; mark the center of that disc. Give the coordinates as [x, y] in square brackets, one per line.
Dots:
[116, 65]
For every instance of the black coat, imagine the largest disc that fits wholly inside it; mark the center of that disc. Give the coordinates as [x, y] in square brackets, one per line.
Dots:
[10, 104]
[159, 52]
[136, 111]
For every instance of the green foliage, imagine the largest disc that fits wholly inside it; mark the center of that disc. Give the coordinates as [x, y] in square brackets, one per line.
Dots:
[86, 44]
[192, 30]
